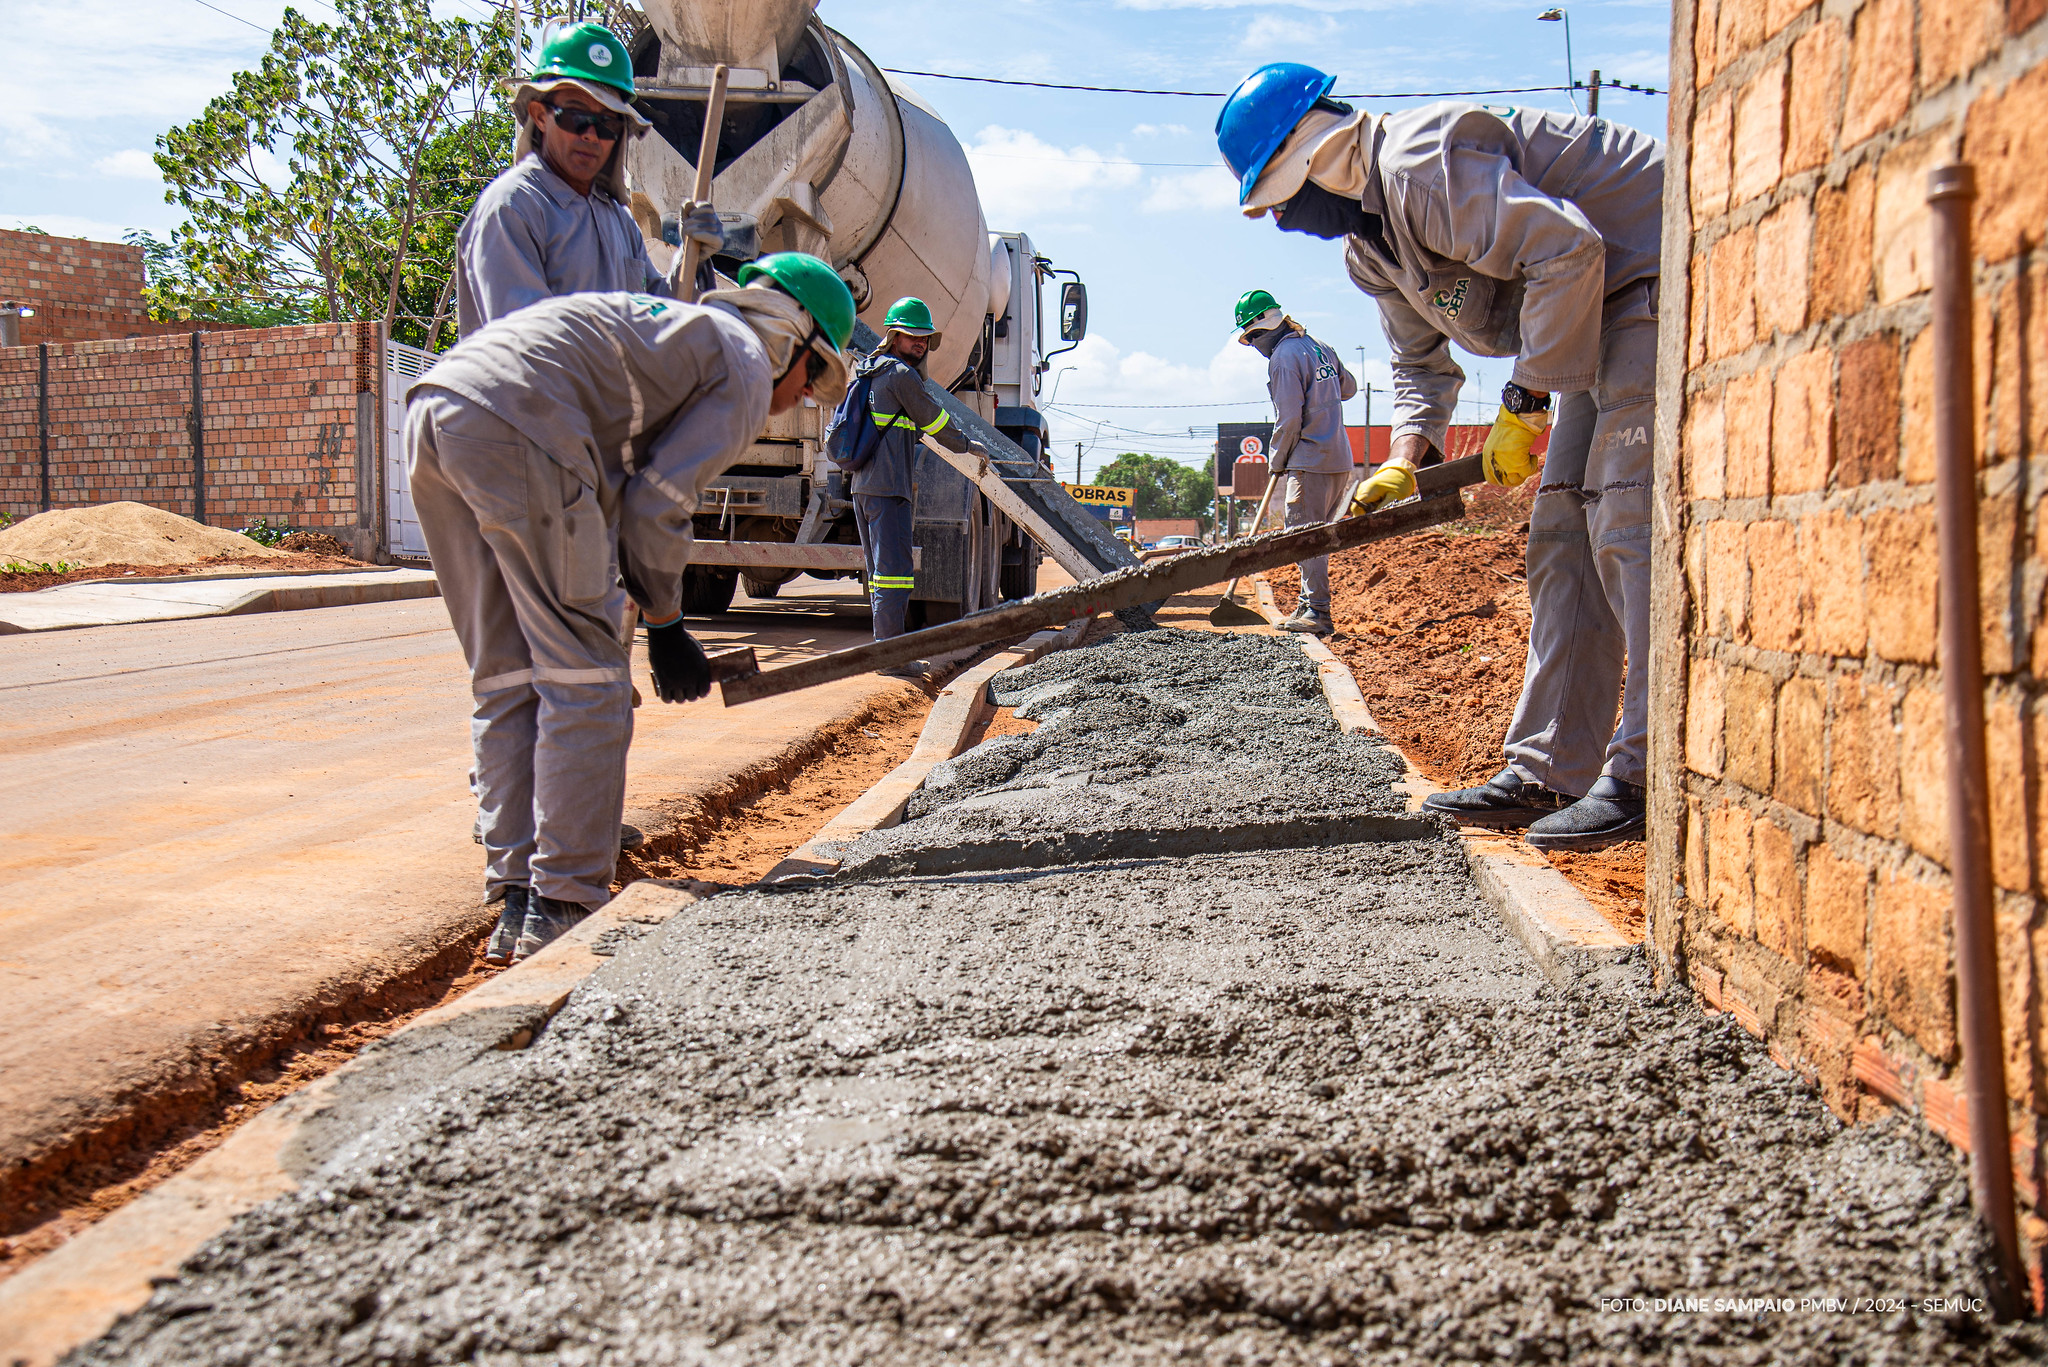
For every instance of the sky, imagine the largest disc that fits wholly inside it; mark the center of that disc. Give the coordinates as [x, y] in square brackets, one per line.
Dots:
[1126, 189]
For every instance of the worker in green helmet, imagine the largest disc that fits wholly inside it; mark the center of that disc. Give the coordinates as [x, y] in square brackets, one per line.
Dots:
[560, 220]
[882, 460]
[1308, 385]
[557, 456]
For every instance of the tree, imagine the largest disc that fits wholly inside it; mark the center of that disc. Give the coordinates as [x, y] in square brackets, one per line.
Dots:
[1161, 487]
[330, 180]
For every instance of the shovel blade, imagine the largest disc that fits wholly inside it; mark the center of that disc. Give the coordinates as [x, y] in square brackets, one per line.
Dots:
[1228, 612]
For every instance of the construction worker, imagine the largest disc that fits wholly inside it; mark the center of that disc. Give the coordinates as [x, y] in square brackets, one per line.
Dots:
[558, 221]
[1518, 233]
[557, 456]
[1309, 385]
[884, 486]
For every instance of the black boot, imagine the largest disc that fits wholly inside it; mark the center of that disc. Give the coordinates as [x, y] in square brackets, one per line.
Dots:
[511, 923]
[1502, 801]
[1609, 813]
[547, 920]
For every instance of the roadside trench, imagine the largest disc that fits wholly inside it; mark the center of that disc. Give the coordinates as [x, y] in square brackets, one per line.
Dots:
[1282, 1103]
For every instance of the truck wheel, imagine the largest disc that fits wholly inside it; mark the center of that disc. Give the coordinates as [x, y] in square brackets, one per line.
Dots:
[1019, 581]
[925, 612]
[706, 592]
[757, 589]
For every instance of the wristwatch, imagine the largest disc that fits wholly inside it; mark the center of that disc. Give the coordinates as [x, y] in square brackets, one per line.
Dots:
[1516, 399]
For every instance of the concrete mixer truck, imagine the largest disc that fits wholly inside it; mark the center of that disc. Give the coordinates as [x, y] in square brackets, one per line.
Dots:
[819, 151]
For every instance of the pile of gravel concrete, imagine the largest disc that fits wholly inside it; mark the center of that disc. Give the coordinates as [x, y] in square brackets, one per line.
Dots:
[1306, 1106]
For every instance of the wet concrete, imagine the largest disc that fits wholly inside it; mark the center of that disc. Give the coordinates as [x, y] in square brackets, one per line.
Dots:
[1302, 1106]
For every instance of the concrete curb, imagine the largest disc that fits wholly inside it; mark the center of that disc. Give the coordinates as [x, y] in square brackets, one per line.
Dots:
[112, 602]
[76, 1292]
[1340, 689]
[960, 707]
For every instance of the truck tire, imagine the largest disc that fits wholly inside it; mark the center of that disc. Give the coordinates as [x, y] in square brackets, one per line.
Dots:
[707, 592]
[758, 589]
[1019, 581]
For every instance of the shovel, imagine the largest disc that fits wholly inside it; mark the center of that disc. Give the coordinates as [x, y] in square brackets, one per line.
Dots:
[1228, 612]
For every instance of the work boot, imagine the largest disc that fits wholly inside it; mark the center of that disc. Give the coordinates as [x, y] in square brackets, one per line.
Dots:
[1609, 813]
[547, 920]
[1502, 802]
[1315, 621]
[511, 921]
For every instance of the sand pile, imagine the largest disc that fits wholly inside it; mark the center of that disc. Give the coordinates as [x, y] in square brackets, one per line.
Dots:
[122, 534]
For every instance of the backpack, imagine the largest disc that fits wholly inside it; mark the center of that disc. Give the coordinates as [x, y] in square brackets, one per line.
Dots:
[852, 437]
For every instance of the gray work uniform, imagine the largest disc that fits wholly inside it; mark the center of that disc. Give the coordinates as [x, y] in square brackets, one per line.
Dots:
[552, 450]
[1308, 385]
[532, 237]
[1538, 235]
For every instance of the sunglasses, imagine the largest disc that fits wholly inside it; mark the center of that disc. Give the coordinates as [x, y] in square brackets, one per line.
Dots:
[576, 122]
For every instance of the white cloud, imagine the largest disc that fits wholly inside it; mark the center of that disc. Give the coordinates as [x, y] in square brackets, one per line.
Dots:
[1274, 32]
[1153, 130]
[1231, 387]
[26, 140]
[129, 163]
[1022, 177]
[1211, 188]
[1316, 6]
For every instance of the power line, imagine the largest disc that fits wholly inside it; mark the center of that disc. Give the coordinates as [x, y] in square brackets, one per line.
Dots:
[1099, 161]
[1224, 94]
[1220, 403]
[236, 17]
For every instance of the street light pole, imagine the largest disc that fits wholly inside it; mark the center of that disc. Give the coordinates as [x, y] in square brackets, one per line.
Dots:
[1554, 15]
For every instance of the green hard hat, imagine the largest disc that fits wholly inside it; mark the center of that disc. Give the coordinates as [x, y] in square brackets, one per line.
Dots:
[586, 52]
[909, 315]
[813, 284]
[1255, 305]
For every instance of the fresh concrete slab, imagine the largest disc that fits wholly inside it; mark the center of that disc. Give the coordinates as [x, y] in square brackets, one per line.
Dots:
[110, 602]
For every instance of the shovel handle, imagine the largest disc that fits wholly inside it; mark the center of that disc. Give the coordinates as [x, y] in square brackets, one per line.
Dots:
[707, 161]
[1258, 521]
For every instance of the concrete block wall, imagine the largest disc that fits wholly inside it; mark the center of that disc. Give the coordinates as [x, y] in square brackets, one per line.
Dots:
[80, 290]
[284, 413]
[1797, 871]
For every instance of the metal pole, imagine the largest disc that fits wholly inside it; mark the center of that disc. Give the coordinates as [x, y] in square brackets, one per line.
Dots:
[1950, 192]
[10, 324]
[198, 432]
[1593, 97]
[43, 415]
[1077, 462]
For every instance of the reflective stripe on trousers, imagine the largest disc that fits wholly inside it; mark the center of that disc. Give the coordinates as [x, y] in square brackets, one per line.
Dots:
[885, 537]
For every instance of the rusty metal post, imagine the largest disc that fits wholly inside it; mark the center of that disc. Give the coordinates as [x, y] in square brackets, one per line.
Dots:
[1951, 190]
[196, 427]
[43, 417]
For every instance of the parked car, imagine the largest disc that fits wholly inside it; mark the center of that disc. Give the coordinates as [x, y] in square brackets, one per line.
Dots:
[1177, 543]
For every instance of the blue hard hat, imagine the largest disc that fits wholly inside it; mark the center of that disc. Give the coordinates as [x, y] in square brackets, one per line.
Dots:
[1260, 114]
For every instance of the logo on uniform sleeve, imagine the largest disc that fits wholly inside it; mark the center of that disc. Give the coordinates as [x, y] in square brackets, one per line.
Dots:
[600, 55]
[1451, 302]
[655, 306]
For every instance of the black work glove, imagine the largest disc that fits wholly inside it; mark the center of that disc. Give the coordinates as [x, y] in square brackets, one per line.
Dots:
[681, 673]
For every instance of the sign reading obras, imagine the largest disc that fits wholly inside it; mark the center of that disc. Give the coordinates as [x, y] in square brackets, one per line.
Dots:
[1099, 495]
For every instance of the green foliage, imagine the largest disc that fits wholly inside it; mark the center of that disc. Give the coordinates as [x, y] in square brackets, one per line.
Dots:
[1163, 488]
[31, 228]
[29, 567]
[328, 183]
[261, 532]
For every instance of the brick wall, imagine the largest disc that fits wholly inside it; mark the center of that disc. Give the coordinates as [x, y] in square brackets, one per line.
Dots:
[1797, 862]
[287, 428]
[81, 291]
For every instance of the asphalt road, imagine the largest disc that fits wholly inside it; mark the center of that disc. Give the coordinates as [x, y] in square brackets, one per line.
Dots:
[208, 825]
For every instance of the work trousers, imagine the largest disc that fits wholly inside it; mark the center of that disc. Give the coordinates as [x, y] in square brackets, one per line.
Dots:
[1312, 499]
[1589, 569]
[527, 560]
[885, 530]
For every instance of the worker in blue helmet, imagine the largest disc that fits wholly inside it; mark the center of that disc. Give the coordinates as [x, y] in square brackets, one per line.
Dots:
[1516, 233]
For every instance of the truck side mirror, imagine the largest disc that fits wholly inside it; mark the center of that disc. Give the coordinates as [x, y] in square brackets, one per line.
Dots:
[1073, 311]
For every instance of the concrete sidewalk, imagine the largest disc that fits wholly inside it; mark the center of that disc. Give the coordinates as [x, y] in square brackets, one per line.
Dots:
[109, 602]
[217, 831]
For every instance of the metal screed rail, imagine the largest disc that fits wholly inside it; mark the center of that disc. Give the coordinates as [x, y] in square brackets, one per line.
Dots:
[1440, 502]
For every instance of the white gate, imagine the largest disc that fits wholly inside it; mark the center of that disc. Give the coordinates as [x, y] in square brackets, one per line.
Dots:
[402, 365]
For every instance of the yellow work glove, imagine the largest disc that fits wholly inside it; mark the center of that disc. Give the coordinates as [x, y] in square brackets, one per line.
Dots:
[1506, 460]
[1392, 484]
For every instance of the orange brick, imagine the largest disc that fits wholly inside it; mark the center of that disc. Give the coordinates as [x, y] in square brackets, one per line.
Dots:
[1843, 227]
[1863, 769]
[1902, 238]
[1777, 619]
[1831, 556]
[1902, 586]
[1955, 35]
[1695, 852]
[1706, 459]
[1837, 910]
[1802, 749]
[1731, 311]
[1923, 770]
[1748, 418]
[2007, 392]
[1803, 423]
[1696, 299]
[2012, 860]
[1739, 28]
[1776, 852]
[1784, 240]
[1916, 441]
[1705, 717]
[1759, 140]
[1725, 605]
[1752, 714]
[1712, 164]
[1778, 13]
[1729, 892]
[1867, 411]
[1880, 69]
[1998, 525]
[1909, 953]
